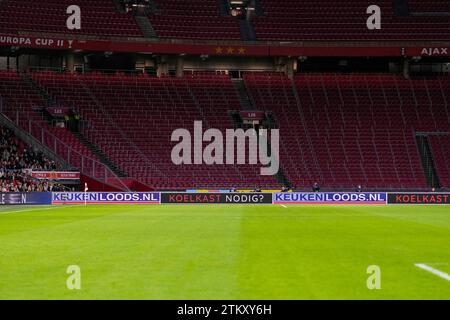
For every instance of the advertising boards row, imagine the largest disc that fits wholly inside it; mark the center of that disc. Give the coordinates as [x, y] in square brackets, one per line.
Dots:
[288, 198]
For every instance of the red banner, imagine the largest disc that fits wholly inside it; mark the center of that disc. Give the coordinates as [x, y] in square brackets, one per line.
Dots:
[35, 42]
[428, 52]
[332, 49]
[58, 111]
[55, 175]
[252, 115]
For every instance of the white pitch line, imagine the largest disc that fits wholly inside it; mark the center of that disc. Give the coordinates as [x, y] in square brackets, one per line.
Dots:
[27, 210]
[436, 272]
[283, 206]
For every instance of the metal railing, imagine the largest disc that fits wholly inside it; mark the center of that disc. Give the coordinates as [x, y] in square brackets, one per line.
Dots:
[87, 165]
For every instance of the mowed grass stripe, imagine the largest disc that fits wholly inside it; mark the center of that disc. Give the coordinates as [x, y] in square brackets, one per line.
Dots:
[324, 252]
[133, 252]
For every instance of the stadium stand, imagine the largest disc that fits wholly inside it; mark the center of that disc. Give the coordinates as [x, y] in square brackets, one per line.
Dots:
[15, 158]
[330, 134]
[289, 20]
[99, 18]
[345, 130]
[21, 104]
[440, 146]
[16, 155]
[338, 130]
[198, 19]
[137, 140]
[297, 20]
[436, 6]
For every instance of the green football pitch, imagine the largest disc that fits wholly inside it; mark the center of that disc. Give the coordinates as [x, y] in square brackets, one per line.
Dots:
[225, 252]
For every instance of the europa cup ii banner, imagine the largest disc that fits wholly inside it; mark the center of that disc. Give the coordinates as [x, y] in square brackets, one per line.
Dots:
[329, 198]
[216, 198]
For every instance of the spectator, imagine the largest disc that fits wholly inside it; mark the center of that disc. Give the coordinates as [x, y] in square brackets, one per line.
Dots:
[316, 187]
[16, 159]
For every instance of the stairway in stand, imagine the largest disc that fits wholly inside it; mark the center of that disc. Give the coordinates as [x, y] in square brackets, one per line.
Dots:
[427, 161]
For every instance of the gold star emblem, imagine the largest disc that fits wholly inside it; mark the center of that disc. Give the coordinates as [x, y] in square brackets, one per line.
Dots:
[230, 50]
[242, 50]
[219, 50]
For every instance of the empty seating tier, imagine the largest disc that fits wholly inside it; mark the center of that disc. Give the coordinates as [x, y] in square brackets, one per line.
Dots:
[288, 20]
[132, 119]
[99, 18]
[342, 131]
[429, 6]
[198, 19]
[298, 20]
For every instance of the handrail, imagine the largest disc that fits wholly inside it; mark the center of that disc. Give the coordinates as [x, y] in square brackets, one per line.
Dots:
[83, 157]
[444, 98]
[430, 105]
[30, 139]
[70, 151]
[432, 133]
[111, 121]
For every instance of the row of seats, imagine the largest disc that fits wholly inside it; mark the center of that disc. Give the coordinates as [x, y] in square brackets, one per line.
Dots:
[435, 6]
[99, 17]
[298, 20]
[288, 20]
[198, 19]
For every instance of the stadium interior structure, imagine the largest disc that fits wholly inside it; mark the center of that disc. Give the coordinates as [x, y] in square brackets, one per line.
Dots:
[354, 106]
